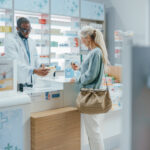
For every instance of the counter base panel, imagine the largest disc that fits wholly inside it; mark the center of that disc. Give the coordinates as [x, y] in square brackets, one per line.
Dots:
[57, 129]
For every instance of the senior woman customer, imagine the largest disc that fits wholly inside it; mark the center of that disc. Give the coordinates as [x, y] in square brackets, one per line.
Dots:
[92, 71]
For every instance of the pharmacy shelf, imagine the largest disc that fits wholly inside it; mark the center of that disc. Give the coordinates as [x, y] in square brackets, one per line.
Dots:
[48, 27]
[64, 37]
[6, 26]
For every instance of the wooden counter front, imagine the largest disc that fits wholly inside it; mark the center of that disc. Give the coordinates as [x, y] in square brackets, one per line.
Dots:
[56, 129]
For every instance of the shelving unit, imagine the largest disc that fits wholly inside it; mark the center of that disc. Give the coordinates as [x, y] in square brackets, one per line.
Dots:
[54, 28]
[64, 38]
[119, 39]
[118, 36]
[6, 22]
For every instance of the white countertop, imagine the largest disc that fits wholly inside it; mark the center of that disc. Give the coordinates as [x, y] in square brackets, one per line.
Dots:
[60, 79]
[14, 100]
[41, 90]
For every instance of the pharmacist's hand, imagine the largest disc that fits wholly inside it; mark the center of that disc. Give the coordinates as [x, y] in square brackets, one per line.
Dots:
[72, 80]
[41, 71]
[74, 66]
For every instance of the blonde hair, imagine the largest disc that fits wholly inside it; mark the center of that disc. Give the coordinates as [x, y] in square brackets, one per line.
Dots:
[98, 38]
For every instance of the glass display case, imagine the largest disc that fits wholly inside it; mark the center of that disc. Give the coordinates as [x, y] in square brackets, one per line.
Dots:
[6, 22]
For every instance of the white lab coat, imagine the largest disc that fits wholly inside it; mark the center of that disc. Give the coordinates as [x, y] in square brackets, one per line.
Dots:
[15, 49]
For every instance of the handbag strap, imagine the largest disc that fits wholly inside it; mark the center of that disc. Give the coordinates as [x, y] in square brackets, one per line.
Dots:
[106, 82]
[105, 76]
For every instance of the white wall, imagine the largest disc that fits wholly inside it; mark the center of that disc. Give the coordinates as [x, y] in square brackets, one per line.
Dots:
[127, 15]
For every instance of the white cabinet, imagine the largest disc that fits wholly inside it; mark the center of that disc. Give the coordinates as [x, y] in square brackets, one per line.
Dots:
[92, 10]
[65, 7]
[40, 6]
[15, 122]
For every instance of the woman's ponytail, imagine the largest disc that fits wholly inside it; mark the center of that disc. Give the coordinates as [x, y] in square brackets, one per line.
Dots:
[98, 39]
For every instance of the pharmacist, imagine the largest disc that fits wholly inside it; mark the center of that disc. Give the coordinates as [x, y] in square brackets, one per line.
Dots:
[20, 47]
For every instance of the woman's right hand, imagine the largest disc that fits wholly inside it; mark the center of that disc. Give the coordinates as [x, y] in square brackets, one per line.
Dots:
[74, 66]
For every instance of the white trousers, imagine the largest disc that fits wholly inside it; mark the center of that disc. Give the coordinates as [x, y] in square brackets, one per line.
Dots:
[93, 128]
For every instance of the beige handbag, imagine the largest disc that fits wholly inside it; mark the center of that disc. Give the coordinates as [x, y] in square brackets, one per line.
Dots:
[94, 101]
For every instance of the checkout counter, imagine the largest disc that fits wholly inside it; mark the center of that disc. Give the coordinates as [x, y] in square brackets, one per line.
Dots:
[49, 94]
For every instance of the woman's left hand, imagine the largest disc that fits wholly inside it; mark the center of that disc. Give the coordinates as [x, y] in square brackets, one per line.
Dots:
[72, 80]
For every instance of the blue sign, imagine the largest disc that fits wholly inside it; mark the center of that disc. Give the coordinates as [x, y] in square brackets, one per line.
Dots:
[11, 130]
[56, 95]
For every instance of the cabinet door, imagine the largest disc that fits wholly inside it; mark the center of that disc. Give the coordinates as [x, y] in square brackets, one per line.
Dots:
[91, 10]
[40, 6]
[65, 7]
[6, 4]
[11, 129]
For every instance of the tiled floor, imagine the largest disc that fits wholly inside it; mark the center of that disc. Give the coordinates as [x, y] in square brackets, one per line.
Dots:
[87, 148]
